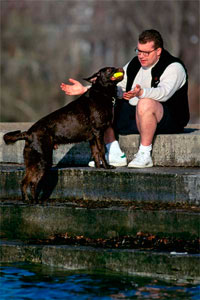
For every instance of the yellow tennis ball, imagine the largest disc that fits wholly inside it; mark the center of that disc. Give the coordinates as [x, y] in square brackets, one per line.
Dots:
[118, 74]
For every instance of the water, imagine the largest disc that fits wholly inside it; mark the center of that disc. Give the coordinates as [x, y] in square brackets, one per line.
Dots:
[30, 281]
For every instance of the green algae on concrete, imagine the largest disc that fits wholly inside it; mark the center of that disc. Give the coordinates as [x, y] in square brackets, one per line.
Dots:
[41, 222]
[179, 267]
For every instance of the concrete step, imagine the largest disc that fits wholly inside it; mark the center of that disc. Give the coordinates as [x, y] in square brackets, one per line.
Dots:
[24, 222]
[157, 184]
[22, 226]
[182, 268]
[177, 150]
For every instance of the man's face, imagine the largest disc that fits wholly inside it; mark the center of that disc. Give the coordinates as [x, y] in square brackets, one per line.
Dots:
[150, 55]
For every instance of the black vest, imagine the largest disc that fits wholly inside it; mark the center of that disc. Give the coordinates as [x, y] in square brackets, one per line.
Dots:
[178, 103]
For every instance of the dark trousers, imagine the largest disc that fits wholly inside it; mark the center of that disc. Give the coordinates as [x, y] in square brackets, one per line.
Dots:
[125, 120]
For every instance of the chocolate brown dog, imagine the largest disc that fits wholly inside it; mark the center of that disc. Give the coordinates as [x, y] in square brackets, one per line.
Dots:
[84, 119]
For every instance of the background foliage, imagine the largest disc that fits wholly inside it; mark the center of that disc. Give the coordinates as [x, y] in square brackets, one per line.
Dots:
[44, 42]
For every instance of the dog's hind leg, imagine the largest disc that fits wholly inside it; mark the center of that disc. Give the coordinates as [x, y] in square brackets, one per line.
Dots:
[35, 180]
[35, 169]
[24, 186]
[31, 179]
[38, 159]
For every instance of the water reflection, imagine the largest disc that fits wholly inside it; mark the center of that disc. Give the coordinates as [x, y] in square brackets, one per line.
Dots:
[28, 281]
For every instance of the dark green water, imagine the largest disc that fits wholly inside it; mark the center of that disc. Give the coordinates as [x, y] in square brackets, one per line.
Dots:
[30, 281]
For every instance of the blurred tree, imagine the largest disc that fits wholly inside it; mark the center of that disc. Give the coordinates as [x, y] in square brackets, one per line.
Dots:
[45, 42]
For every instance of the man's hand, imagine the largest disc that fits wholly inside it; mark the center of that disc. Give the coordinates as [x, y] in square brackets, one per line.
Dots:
[76, 88]
[136, 92]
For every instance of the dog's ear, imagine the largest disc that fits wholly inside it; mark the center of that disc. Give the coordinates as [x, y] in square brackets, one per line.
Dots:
[93, 78]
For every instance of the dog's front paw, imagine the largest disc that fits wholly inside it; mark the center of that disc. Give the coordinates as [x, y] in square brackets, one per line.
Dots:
[112, 167]
[109, 167]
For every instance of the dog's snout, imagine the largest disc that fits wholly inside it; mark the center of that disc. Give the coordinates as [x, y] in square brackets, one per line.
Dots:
[120, 70]
[118, 74]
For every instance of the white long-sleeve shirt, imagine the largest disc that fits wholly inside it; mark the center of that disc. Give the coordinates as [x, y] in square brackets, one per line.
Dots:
[172, 79]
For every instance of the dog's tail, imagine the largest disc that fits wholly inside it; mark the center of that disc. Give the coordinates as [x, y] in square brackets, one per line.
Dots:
[13, 136]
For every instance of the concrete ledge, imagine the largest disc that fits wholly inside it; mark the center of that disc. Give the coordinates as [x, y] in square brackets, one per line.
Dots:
[182, 268]
[167, 185]
[38, 222]
[168, 150]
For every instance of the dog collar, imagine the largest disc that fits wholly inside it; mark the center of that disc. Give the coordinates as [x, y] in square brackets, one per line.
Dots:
[113, 101]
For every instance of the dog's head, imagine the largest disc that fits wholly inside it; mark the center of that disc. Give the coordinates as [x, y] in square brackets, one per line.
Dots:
[107, 76]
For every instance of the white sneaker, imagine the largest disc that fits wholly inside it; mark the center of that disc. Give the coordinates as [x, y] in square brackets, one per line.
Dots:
[141, 160]
[118, 160]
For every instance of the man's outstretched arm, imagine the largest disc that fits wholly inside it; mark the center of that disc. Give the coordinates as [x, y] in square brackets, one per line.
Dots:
[76, 88]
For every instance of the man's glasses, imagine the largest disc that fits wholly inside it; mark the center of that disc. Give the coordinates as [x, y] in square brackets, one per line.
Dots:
[145, 53]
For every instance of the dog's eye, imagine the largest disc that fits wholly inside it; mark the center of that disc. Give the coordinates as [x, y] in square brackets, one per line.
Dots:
[109, 71]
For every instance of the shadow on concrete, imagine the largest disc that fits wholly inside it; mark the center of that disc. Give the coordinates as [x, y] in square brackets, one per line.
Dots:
[189, 130]
[47, 185]
[79, 156]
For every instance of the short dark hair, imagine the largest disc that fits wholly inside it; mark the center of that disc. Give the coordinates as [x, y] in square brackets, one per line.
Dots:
[151, 35]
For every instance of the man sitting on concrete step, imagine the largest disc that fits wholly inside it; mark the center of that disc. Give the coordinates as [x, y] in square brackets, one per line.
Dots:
[152, 99]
